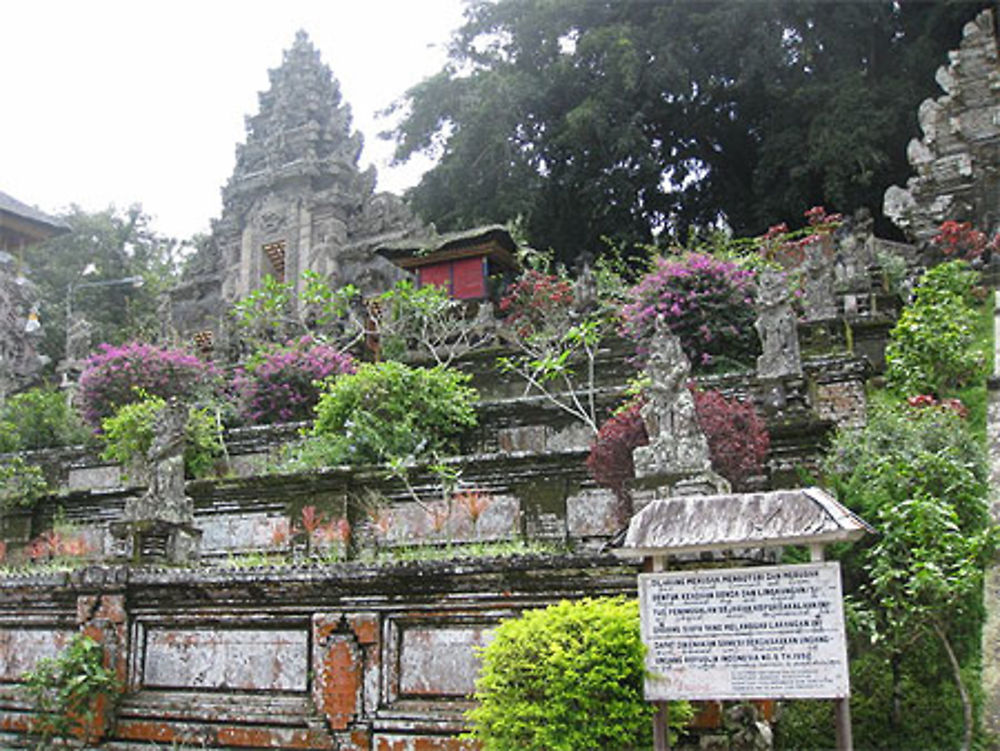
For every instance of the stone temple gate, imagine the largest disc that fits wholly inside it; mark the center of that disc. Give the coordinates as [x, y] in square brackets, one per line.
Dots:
[296, 201]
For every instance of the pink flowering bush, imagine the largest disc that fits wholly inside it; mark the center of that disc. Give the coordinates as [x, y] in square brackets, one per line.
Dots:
[282, 384]
[708, 304]
[118, 375]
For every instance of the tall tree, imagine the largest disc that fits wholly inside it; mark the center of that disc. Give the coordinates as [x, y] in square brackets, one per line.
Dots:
[625, 118]
[86, 269]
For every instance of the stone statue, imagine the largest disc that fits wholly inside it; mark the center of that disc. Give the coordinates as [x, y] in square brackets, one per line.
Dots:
[677, 447]
[855, 253]
[160, 523]
[820, 299]
[777, 328]
[585, 287]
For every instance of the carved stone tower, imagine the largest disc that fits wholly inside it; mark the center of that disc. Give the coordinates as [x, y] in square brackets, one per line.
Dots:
[296, 201]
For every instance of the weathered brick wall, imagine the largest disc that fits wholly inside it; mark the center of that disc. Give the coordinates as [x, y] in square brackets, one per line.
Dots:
[345, 657]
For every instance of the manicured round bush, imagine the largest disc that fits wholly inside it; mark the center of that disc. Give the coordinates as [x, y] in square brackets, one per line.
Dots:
[389, 410]
[737, 436]
[283, 384]
[708, 304]
[116, 375]
[565, 678]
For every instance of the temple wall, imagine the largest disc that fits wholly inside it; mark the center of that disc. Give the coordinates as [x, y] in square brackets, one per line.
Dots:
[345, 657]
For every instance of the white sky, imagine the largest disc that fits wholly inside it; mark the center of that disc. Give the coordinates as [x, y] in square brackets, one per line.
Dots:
[106, 102]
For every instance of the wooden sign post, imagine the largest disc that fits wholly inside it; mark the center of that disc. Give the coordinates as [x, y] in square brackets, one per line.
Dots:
[754, 632]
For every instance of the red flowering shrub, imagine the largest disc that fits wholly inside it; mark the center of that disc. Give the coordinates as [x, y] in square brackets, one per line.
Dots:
[737, 436]
[282, 384]
[610, 460]
[707, 302]
[738, 441]
[959, 239]
[920, 401]
[531, 302]
[781, 246]
[114, 376]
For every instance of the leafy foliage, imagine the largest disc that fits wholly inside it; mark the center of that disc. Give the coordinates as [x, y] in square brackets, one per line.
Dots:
[281, 384]
[114, 376]
[920, 474]
[425, 320]
[592, 120]
[566, 678]
[68, 690]
[21, 484]
[387, 411]
[273, 313]
[556, 336]
[38, 418]
[708, 304]
[129, 433]
[610, 459]
[737, 436]
[931, 347]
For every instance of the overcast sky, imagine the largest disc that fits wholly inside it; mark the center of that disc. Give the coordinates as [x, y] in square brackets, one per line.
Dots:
[107, 102]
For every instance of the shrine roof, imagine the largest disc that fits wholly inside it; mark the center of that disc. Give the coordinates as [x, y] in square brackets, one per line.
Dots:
[27, 220]
[708, 523]
[493, 241]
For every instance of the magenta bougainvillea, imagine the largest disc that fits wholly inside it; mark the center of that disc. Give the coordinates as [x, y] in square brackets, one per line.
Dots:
[706, 301]
[283, 384]
[116, 375]
[738, 440]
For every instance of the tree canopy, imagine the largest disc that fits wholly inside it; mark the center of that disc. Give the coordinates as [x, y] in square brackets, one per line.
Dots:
[625, 119]
[104, 248]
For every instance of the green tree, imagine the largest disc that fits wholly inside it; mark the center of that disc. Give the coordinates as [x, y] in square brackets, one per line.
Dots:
[592, 120]
[919, 474]
[104, 246]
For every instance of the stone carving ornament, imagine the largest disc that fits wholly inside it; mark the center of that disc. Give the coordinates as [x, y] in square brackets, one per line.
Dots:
[677, 447]
[777, 328]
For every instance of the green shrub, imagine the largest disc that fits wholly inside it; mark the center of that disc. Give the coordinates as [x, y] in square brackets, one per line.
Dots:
[129, 433]
[388, 411]
[566, 678]
[932, 348]
[918, 474]
[39, 418]
[21, 484]
[67, 691]
[906, 450]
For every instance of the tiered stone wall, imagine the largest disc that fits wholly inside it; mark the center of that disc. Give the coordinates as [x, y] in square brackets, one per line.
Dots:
[363, 653]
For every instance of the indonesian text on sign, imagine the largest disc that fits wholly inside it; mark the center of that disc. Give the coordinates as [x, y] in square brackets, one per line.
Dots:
[748, 633]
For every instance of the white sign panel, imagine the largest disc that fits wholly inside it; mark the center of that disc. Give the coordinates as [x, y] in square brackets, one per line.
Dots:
[774, 632]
